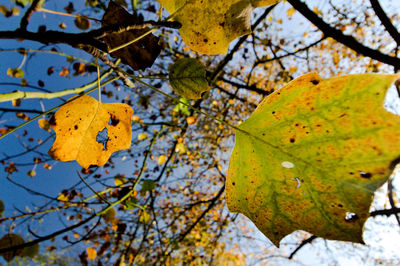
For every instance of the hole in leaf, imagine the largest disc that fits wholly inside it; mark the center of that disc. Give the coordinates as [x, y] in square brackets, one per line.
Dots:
[365, 175]
[351, 217]
[102, 137]
[287, 164]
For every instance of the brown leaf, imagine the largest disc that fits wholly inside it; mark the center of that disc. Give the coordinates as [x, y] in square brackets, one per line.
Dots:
[138, 55]
[16, 102]
[79, 68]
[69, 8]
[82, 23]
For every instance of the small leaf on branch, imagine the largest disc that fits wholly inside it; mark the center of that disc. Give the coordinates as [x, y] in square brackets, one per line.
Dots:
[10, 240]
[82, 23]
[138, 55]
[15, 72]
[92, 253]
[312, 154]
[188, 78]
[89, 132]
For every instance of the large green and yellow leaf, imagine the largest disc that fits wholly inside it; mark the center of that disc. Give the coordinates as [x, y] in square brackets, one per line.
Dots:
[312, 154]
[209, 26]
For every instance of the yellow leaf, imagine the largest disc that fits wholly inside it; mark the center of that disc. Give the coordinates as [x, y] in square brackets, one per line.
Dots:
[162, 159]
[119, 180]
[208, 26]
[44, 124]
[89, 132]
[135, 119]
[190, 120]
[290, 12]
[180, 148]
[142, 136]
[92, 253]
[62, 197]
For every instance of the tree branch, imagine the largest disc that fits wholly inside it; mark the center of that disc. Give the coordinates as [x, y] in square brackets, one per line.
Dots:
[302, 244]
[385, 21]
[346, 40]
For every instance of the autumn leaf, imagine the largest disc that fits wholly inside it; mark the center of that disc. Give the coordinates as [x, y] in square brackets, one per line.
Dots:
[15, 72]
[30, 251]
[138, 55]
[82, 23]
[209, 26]
[109, 215]
[10, 240]
[312, 154]
[44, 124]
[188, 78]
[89, 132]
[162, 159]
[92, 253]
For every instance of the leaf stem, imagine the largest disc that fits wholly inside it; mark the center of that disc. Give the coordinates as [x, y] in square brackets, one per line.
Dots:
[52, 109]
[142, 170]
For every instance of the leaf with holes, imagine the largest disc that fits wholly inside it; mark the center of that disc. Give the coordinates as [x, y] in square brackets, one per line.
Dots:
[312, 154]
[208, 26]
[89, 131]
[188, 78]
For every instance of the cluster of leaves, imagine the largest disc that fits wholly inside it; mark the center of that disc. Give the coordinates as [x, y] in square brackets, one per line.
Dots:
[306, 159]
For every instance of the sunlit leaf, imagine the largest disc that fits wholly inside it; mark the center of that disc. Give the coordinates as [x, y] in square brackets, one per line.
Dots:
[89, 132]
[92, 253]
[15, 72]
[119, 180]
[143, 136]
[162, 159]
[312, 154]
[188, 78]
[44, 124]
[208, 26]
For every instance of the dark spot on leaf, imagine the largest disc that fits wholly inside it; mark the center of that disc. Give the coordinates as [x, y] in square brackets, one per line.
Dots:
[315, 82]
[351, 173]
[273, 112]
[113, 120]
[76, 127]
[340, 205]
[365, 175]
[205, 40]
[292, 140]
[233, 183]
